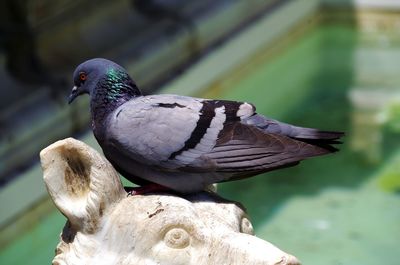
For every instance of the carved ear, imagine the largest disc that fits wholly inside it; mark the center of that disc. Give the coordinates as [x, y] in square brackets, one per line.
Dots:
[82, 184]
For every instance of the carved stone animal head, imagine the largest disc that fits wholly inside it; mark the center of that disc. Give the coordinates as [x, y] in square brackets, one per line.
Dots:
[106, 227]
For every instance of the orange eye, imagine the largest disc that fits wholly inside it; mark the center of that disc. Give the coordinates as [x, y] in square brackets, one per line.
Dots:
[82, 76]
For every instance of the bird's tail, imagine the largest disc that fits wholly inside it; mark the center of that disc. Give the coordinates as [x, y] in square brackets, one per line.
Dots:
[323, 139]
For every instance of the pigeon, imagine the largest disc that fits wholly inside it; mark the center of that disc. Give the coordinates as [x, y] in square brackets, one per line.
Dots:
[185, 144]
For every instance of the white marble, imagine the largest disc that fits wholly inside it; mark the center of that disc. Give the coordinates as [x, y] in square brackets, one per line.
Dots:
[105, 226]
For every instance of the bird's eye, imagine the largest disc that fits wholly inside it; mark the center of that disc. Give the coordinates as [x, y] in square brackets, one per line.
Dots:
[82, 76]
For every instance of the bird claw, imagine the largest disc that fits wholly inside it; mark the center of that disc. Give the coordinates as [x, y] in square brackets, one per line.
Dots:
[131, 193]
[149, 188]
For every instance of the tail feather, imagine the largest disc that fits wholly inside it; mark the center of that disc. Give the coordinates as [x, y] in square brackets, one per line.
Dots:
[323, 139]
[310, 133]
[323, 143]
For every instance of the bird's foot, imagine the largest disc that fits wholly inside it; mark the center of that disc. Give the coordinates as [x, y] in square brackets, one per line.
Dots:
[149, 188]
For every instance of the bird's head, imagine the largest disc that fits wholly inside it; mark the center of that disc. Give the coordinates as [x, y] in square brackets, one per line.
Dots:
[89, 74]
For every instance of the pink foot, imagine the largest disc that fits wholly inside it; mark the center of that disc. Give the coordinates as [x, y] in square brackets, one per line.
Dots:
[149, 188]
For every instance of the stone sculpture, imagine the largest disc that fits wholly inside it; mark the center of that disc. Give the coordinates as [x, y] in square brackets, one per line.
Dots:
[105, 226]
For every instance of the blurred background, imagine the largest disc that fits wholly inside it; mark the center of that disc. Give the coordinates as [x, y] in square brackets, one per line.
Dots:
[331, 64]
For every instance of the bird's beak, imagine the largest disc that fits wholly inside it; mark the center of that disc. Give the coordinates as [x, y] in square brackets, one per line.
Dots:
[74, 94]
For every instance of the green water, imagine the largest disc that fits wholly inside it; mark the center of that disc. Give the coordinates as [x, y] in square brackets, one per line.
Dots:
[37, 245]
[328, 210]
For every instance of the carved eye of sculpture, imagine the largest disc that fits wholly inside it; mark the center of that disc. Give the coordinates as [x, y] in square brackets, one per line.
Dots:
[177, 238]
[246, 226]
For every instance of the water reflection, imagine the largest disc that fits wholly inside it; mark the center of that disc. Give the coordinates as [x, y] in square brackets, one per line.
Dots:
[372, 110]
[375, 96]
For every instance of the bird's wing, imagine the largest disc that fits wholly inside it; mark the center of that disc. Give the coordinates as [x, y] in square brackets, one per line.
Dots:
[250, 143]
[189, 134]
[166, 130]
[245, 149]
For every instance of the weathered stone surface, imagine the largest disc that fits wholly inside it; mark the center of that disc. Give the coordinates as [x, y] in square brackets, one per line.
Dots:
[105, 226]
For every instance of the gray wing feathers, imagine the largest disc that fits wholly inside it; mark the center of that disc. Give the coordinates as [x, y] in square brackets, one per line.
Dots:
[242, 149]
[151, 136]
[276, 127]
[228, 138]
